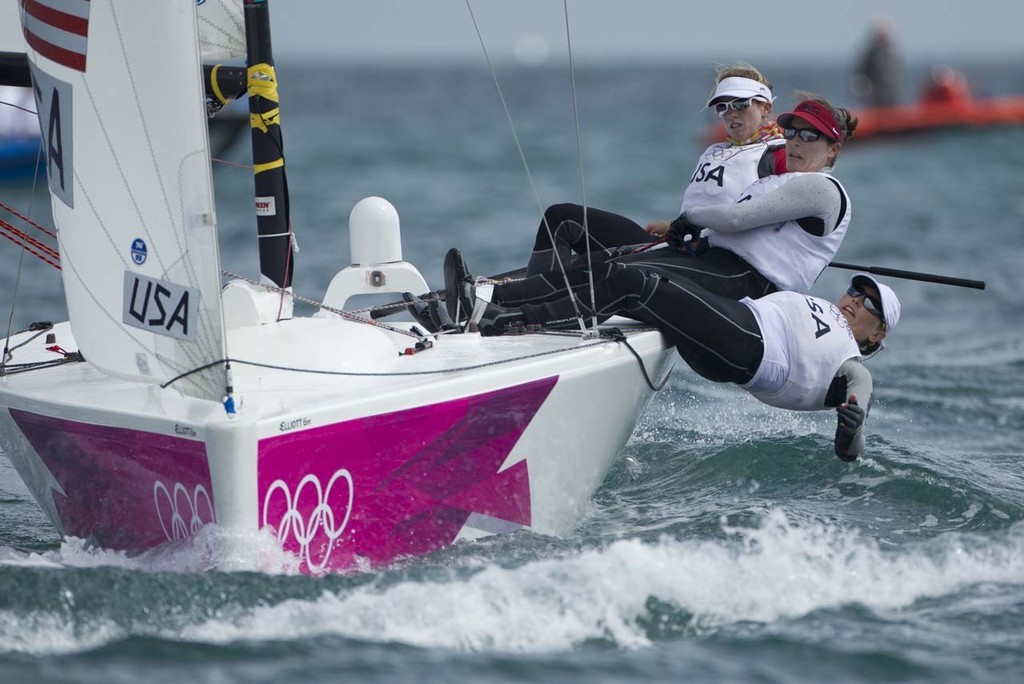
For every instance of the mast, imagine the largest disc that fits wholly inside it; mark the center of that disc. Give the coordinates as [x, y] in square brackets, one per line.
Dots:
[272, 210]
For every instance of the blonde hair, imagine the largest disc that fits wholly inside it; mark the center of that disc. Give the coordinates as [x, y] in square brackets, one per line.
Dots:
[743, 70]
[740, 70]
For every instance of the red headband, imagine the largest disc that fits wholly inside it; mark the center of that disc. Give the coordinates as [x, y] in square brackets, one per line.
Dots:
[817, 115]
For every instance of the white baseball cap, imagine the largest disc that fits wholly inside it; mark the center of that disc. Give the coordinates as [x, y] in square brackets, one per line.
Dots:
[890, 302]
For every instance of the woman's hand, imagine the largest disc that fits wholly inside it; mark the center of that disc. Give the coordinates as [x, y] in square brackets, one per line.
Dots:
[850, 419]
[658, 228]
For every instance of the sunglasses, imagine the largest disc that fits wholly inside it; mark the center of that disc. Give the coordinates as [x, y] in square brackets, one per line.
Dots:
[806, 134]
[736, 105]
[872, 305]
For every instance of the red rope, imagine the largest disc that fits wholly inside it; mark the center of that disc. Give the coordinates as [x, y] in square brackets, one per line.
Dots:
[30, 244]
[28, 220]
[649, 245]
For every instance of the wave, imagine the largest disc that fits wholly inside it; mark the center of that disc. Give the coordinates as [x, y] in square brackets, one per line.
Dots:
[628, 594]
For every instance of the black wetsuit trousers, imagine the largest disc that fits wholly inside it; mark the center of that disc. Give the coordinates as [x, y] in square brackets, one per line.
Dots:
[714, 333]
[610, 236]
[561, 237]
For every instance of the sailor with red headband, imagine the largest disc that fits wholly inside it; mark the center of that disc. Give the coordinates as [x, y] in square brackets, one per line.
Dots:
[787, 227]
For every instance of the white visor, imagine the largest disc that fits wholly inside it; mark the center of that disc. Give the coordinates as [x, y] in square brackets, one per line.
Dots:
[741, 88]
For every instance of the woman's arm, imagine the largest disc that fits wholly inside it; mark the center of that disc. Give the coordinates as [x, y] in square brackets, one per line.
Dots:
[812, 195]
[852, 413]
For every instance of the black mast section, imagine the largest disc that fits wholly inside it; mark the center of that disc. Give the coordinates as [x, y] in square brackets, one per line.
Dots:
[272, 214]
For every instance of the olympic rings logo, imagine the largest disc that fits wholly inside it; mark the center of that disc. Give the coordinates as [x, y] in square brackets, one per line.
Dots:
[321, 522]
[177, 503]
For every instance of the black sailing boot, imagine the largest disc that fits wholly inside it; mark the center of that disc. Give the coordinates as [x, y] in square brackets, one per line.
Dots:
[458, 287]
[429, 313]
[420, 311]
[462, 302]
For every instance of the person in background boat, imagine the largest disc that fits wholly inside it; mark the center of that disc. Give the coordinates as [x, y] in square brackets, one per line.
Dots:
[878, 77]
[742, 98]
[788, 349]
[945, 86]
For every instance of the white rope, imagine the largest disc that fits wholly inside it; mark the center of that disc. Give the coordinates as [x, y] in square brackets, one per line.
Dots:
[529, 176]
[579, 159]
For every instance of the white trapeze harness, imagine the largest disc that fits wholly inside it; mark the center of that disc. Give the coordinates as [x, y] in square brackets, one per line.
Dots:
[785, 253]
[723, 172]
[806, 340]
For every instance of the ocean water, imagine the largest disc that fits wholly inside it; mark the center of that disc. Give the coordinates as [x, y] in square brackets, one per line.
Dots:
[728, 544]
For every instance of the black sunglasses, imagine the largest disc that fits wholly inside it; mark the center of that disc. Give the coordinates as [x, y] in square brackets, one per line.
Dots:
[806, 134]
[736, 105]
[872, 305]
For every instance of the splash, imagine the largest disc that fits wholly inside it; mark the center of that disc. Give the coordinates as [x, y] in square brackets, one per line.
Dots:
[213, 548]
[774, 571]
[627, 594]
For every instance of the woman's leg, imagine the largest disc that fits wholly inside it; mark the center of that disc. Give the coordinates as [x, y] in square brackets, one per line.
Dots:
[715, 270]
[717, 336]
[561, 234]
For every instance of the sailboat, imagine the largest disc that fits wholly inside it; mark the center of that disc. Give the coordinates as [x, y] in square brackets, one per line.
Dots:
[170, 401]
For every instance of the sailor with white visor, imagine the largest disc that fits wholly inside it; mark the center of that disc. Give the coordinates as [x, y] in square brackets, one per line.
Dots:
[739, 88]
[754, 146]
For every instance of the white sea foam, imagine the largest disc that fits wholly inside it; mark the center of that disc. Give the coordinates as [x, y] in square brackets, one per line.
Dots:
[775, 571]
[13, 557]
[213, 548]
[723, 414]
[51, 633]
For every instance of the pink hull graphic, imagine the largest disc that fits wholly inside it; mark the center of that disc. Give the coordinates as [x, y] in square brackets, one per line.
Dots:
[377, 488]
[123, 489]
[398, 484]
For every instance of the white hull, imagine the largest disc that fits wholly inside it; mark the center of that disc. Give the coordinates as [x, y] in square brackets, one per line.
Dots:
[343, 467]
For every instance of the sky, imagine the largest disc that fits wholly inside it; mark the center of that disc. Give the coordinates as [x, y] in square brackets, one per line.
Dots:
[607, 30]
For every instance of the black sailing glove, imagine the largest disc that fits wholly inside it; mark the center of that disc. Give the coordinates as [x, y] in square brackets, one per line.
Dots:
[850, 418]
[683, 234]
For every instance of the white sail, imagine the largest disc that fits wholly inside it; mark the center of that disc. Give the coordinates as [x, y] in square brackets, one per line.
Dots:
[221, 29]
[11, 39]
[128, 164]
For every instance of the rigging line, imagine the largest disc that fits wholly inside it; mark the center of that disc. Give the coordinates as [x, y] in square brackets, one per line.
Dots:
[356, 374]
[34, 247]
[616, 335]
[21, 261]
[15, 368]
[228, 162]
[347, 315]
[9, 352]
[526, 167]
[24, 218]
[579, 160]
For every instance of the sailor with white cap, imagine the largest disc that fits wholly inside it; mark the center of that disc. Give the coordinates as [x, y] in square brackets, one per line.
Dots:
[788, 349]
